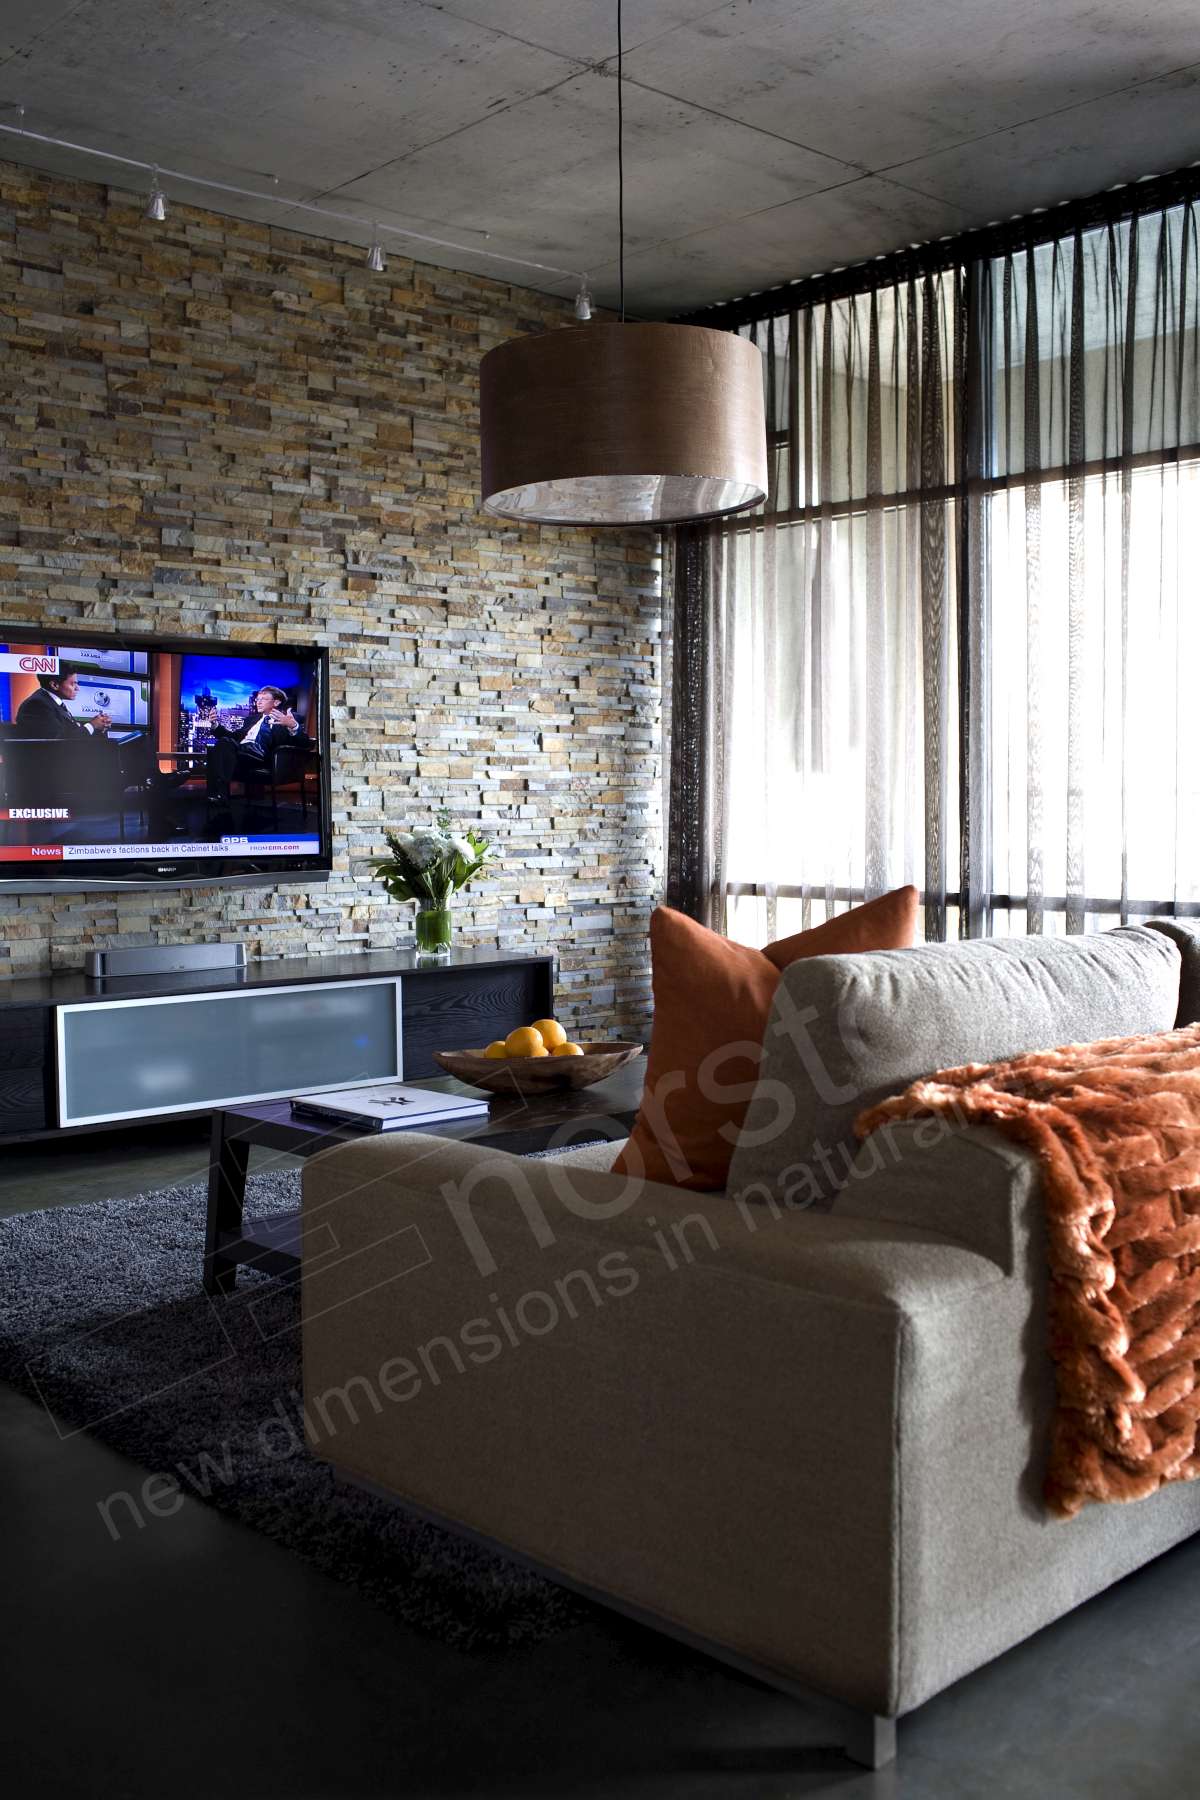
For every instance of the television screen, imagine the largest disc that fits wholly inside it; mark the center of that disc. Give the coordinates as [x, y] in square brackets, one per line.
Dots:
[135, 761]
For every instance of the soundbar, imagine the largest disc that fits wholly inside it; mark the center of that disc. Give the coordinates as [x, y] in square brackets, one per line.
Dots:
[162, 959]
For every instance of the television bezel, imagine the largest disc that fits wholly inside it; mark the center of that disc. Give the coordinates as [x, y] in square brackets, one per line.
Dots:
[186, 872]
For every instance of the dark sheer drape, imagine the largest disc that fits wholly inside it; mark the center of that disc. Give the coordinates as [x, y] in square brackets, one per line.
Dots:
[696, 759]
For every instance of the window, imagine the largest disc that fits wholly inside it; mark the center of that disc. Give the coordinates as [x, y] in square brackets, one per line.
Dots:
[956, 645]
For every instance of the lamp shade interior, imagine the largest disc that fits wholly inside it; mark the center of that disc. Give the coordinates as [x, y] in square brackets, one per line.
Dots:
[624, 499]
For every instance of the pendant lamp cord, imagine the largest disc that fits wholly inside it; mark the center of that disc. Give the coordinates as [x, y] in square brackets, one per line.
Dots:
[620, 165]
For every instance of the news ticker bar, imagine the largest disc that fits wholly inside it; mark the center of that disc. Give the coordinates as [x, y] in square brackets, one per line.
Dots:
[237, 846]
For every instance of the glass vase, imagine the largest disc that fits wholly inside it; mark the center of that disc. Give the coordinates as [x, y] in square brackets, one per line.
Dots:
[433, 929]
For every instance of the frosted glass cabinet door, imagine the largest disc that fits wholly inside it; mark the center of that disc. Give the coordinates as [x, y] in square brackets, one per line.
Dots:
[121, 1059]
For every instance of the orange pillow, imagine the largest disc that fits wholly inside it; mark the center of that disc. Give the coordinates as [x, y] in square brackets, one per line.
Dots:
[712, 999]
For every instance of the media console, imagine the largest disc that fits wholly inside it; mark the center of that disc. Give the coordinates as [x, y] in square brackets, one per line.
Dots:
[78, 1053]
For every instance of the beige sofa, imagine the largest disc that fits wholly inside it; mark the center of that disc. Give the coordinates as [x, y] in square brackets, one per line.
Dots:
[806, 1437]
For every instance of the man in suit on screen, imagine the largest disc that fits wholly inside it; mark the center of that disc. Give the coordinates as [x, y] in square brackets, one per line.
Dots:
[61, 761]
[46, 713]
[246, 750]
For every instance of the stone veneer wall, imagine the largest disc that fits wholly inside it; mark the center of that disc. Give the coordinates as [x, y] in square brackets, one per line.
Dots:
[220, 428]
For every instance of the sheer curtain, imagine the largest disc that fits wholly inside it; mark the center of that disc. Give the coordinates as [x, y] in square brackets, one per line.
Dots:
[841, 601]
[1087, 599]
[955, 645]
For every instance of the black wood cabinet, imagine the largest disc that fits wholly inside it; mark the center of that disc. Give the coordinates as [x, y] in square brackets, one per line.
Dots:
[461, 1009]
[25, 1069]
[461, 1002]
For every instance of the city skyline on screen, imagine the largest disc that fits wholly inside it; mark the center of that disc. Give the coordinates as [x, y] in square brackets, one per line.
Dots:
[234, 680]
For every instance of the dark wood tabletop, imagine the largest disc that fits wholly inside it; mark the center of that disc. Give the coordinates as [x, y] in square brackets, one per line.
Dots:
[512, 1122]
[521, 1124]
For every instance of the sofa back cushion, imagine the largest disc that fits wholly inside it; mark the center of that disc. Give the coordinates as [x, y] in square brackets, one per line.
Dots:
[846, 1031]
[1186, 934]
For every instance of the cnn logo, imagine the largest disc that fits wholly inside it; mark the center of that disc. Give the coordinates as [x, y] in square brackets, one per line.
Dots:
[38, 665]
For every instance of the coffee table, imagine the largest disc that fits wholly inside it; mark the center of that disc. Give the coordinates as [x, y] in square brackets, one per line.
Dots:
[519, 1124]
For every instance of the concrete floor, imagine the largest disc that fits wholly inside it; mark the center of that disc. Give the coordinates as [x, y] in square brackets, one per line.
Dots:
[196, 1658]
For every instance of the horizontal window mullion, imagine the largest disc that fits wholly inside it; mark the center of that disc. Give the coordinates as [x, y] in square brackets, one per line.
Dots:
[1148, 909]
[980, 486]
[817, 890]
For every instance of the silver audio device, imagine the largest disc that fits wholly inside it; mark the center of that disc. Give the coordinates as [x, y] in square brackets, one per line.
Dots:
[163, 959]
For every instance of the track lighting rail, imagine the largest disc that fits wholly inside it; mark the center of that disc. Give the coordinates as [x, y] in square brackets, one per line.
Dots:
[159, 173]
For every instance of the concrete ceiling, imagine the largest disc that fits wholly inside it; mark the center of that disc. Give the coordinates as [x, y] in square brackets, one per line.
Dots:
[765, 139]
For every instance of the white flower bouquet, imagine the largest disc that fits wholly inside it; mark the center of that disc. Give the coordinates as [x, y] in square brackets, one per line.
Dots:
[429, 866]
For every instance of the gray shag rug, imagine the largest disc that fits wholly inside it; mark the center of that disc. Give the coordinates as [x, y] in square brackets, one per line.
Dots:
[103, 1319]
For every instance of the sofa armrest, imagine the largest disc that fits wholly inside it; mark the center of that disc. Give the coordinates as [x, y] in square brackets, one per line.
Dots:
[968, 1184]
[685, 1404]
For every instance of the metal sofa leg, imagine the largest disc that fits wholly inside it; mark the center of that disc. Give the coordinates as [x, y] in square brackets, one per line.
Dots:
[869, 1739]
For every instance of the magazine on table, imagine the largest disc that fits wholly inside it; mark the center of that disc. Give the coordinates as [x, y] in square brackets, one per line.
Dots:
[389, 1106]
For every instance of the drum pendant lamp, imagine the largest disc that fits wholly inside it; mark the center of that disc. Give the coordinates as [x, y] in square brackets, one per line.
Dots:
[622, 424]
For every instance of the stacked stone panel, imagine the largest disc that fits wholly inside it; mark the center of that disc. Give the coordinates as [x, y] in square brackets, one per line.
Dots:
[216, 427]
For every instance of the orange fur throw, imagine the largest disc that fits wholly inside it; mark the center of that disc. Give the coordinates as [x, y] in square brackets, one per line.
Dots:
[1116, 1129]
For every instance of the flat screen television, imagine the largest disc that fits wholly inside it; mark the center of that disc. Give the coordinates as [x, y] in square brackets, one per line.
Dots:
[144, 761]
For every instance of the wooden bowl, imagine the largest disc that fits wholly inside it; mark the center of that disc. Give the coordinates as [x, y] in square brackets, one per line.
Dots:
[531, 1074]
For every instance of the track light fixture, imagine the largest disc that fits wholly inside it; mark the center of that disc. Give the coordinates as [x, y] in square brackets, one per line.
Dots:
[376, 260]
[156, 205]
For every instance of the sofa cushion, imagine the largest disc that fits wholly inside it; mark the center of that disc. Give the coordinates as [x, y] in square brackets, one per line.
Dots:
[1186, 934]
[712, 998]
[846, 1031]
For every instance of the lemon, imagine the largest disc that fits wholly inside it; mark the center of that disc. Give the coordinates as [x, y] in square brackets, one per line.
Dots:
[497, 1049]
[565, 1049]
[524, 1041]
[552, 1032]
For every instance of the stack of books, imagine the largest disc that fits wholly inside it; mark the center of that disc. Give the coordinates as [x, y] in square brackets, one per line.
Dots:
[390, 1106]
